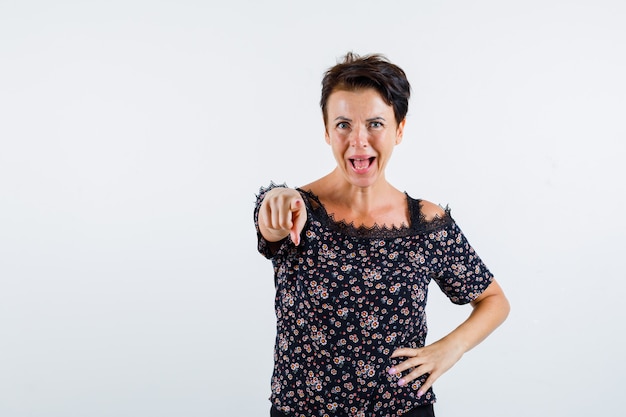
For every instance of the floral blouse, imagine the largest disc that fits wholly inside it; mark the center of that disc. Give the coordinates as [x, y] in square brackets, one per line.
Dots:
[348, 296]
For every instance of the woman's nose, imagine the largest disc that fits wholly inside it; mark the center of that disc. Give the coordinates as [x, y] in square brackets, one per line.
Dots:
[359, 138]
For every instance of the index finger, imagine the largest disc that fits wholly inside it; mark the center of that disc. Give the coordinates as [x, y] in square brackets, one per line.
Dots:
[404, 352]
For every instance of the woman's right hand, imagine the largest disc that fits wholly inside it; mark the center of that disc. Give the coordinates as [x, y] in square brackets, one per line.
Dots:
[282, 214]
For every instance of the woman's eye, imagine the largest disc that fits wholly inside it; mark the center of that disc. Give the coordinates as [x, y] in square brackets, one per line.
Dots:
[376, 124]
[342, 125]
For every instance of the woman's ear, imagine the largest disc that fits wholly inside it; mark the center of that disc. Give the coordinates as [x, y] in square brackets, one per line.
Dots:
[400, 131]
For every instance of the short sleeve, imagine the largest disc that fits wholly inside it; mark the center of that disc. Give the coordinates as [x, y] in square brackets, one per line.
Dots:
[463, 275]
[267, 249]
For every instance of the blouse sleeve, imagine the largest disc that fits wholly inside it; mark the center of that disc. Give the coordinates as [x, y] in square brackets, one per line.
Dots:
[463, 275]
[267, 249]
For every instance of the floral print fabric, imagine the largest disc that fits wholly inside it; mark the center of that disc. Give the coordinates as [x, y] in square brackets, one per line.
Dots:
[347, 297]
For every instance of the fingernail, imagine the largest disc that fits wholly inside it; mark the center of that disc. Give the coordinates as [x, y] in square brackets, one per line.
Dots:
[392, 371]
[401, 382]
[419, 394]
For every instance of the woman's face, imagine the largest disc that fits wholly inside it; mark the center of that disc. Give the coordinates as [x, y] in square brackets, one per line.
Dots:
[362, 132]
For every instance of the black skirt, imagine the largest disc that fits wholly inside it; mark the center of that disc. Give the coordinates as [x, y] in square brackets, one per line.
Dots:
[421, 411]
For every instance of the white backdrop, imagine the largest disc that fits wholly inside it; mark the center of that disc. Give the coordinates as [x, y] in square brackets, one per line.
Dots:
[135, 134]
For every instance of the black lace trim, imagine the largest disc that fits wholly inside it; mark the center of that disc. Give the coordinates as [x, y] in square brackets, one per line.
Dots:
[419, 224]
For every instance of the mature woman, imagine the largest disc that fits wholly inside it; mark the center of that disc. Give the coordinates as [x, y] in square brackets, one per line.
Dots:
[353, 257]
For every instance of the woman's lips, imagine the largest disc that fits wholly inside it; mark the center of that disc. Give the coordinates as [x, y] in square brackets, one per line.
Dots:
[361, 163]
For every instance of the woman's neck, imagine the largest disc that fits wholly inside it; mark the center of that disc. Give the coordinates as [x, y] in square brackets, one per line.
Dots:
[380, 204]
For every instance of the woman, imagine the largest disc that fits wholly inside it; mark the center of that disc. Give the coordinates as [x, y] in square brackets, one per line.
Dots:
[353, 257]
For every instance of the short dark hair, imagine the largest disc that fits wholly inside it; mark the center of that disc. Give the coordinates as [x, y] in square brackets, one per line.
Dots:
[368, 71]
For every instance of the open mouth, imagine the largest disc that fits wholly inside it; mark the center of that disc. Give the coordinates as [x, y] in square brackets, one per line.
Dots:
[361, 164]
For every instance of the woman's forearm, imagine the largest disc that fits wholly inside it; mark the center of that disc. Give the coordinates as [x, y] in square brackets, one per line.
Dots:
[489, 311]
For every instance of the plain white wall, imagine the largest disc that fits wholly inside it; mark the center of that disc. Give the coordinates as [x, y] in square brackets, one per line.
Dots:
[134, 136]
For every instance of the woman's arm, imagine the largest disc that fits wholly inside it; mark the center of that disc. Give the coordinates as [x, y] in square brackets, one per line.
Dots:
[489, 310]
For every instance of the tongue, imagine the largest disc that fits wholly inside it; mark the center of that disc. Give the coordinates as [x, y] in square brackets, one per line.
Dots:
[361, 163]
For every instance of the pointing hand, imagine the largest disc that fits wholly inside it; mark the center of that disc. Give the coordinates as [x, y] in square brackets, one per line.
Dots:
[282, 214]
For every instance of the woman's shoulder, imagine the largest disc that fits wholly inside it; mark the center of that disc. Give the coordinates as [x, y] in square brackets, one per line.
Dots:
[316, 187]
[430, 211]
[428, 216]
